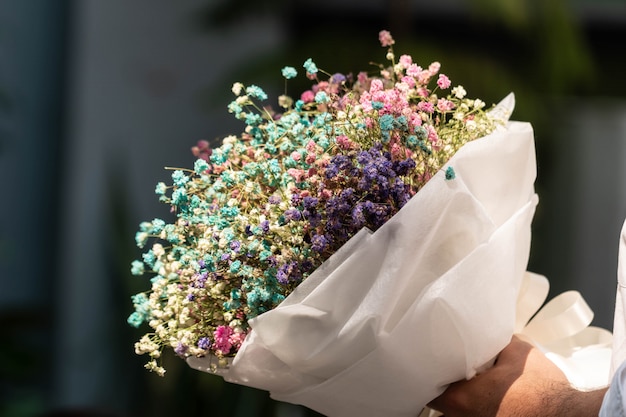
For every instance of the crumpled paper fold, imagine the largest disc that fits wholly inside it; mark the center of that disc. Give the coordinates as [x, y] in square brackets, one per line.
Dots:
[393, 317]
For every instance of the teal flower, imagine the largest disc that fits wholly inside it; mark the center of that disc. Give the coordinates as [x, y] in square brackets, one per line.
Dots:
[160, 188]
[179, 178]
[135, 319]
[289, 72]
[256, 92]
[235, 266]
[450, 174]
[321, 97]
[386, 122]
[179, 196]
[141, 238]
[200, 166]
[157, 226]
[235, 108]
[137, 268]
[310, 66]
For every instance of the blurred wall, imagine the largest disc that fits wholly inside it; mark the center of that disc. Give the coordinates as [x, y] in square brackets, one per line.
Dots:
[135, 106]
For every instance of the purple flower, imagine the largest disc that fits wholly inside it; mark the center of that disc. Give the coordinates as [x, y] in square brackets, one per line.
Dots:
[180, 349]
[337, 78]
[296, 199]
[265, 226]
[313, 217]
[404, 167]
[358, 217]
[287, 272]
[204, 343]
[274, 199]
[310, 202]
[319, 243]
[363, 157]
[235, 245]
[370, 172]
[200, 280]
[332, 170]
[293, 214]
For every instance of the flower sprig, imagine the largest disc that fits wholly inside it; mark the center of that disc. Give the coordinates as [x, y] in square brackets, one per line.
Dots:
[258, 214]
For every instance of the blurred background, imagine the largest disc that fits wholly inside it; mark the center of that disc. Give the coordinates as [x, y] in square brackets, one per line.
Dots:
[97, 97]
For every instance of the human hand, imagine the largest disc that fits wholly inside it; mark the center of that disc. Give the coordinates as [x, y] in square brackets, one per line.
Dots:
[522, 383]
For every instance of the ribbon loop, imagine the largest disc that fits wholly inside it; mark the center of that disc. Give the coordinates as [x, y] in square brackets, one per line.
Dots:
[561, 329]
[565, 315]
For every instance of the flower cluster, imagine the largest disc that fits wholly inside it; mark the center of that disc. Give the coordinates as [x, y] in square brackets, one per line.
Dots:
[258, 214]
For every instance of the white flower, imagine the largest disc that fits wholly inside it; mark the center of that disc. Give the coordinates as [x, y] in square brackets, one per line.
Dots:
[459, 92]
[243, 100]
[237, 87]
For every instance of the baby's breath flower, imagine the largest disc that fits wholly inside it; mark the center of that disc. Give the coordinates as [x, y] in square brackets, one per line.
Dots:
[459, 92]
[237, 88]
[285, 101]
[160, 188]
[259, 213]
[289, 72]
[256, 92]
[310, 66]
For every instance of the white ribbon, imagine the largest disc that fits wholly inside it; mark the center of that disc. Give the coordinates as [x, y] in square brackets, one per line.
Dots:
[561, 329]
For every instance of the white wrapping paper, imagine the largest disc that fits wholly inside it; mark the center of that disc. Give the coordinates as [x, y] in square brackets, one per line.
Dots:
[394, 316]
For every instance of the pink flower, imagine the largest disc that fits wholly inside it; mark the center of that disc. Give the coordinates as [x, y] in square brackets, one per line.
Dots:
[397, 152]
[434, 68]
[385, 38]
[413, 70]
[426, 107]
[321, 86]
[402, 87]
[415, 120]
[424, 77]
[362, 78]
[410, 81]
[443, 81]
[308, 96]
[444, 105]
[377, 85]
[222, 339]
[406, 60]
[423, 92]
[366, 101]
[297, 174]
[433, 137]
[296, 156]
[311, 147]
[344, 142]
[236, 339]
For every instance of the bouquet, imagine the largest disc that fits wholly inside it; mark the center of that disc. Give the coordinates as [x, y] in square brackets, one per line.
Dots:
[354, 251]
